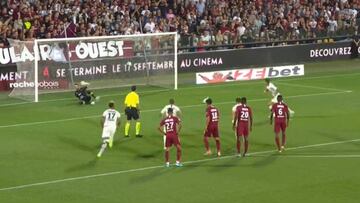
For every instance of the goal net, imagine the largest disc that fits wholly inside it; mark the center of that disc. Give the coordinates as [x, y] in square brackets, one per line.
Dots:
[104, 62]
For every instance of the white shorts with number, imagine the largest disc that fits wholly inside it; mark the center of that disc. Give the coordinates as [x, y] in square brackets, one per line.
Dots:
[108, 132]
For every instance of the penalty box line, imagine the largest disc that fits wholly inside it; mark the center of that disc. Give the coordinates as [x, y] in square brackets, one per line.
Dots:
[197, 87]
[153, 110]
[254, 154]
[315, 156]
[313, 87]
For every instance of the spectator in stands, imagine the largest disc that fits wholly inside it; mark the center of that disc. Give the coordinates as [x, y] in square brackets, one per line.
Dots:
[261, 20]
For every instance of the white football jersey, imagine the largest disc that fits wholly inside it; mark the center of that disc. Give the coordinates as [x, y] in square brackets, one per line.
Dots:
[235, 106]
[175, 108]
[272, 88]
[111, 117]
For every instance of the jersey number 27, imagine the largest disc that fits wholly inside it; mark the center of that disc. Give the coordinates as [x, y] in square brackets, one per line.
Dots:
[169, 126]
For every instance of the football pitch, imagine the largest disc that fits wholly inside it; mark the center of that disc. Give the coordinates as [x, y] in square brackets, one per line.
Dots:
[48, 149]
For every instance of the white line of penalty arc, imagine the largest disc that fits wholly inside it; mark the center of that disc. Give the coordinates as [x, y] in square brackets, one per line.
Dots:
[254, 154]
[153, 110]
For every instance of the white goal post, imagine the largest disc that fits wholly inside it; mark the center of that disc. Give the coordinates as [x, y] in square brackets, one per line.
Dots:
[103, 61]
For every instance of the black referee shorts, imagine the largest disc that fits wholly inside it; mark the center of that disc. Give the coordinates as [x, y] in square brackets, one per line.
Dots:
[132, 113]
[86, 99]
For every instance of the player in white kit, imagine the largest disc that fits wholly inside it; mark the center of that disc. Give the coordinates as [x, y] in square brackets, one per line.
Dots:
[270, 87]
[233, 110]
[109, 122]
[176, 112]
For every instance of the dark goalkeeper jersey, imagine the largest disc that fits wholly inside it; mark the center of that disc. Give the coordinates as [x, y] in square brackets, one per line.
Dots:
[81, 93]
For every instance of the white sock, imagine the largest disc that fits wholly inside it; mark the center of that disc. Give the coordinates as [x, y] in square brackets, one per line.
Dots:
[103, 147]
[291, 111]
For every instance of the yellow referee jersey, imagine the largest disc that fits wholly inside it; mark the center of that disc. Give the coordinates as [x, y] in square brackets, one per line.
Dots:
[132, 100]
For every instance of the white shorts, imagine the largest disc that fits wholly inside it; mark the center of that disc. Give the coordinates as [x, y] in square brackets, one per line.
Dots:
[108, 132]
[274, 99]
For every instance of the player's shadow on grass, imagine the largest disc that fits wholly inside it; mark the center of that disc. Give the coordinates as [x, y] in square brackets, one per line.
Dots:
[225, 164]
[84, 166]
[153, 174]
[150, 154]
[129, 149]
[76, 144]
[234, 161]
[262, 145]
[264, 160]
[138, 152]
[120, 141]
[261, 123]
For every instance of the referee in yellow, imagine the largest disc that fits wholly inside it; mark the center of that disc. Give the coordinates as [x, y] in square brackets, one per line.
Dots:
[132, 111]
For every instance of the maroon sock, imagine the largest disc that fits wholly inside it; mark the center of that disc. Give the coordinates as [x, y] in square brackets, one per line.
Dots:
[167, 156]
[277, 140]
[246, 143]
[283, 139]
[178, 155]
[238, 144]
[217, 145]
[206, 142]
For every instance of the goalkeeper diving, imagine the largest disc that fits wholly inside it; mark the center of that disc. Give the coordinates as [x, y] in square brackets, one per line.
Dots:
[84, 95]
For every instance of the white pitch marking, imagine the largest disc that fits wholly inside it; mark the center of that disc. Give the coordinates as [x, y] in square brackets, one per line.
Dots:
[186, 88]
[152, 110]
[161, 166]
[141, 92]
[73, 98]
[312, 87]
[315, 156]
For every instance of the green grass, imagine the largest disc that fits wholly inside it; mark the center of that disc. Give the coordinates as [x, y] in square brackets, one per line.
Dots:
[40, 144]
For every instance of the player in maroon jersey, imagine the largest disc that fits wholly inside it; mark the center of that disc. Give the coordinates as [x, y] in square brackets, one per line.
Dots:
[280, 112]
[211, 128]
[242, 123]
[172, 128]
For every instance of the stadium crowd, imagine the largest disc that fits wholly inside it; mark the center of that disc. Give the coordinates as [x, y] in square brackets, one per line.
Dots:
[200, 22]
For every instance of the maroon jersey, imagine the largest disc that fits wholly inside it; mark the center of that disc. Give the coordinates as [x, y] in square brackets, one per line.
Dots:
[280, 111]
[243, 113]
[170, 123]
[213, 114]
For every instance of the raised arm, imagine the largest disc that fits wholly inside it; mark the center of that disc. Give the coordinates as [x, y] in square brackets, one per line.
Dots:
[179, 127]
[118, 121]
[271, 117]
[102, 121]
[160, 128]
[207, 121]
[235, 118]
[287, 116]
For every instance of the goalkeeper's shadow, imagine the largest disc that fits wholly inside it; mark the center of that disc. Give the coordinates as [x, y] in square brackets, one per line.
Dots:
[84, 166]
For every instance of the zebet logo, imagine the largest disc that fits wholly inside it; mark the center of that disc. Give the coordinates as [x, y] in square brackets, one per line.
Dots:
[285, 71]
[249, 74]
[41, 84]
